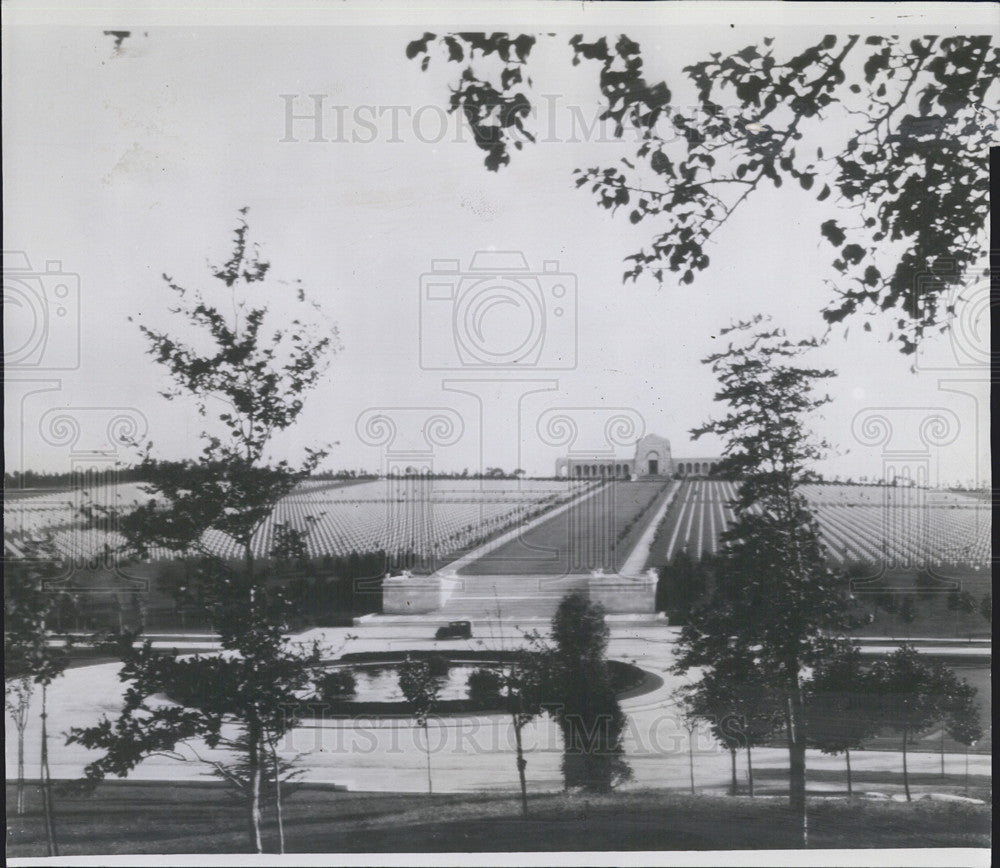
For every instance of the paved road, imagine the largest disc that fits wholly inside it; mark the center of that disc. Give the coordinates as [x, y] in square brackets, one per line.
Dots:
[474, 753]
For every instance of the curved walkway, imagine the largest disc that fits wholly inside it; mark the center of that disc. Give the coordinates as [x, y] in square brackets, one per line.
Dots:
[467, 754]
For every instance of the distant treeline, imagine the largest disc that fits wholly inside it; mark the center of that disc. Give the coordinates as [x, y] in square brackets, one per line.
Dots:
[30, 479]
[36, 479]
[171, 595]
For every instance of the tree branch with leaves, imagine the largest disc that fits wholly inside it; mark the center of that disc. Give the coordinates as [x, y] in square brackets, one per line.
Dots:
[911, 179]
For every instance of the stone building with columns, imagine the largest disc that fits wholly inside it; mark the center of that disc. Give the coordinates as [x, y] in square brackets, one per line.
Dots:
[652, 458]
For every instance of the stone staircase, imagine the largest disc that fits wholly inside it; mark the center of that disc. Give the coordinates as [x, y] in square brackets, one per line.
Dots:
[478, 597]
[521, 599]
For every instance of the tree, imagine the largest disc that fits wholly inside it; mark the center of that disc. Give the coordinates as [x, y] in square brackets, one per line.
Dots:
[840, 714]
[517, 686]
[774, 600]
[520, 686]
[908, 612]
[691, 721]
[961, 603]
[17, 701]
[34, 655]
[582, 697]
[523, 683]
[962, 722]
[920, 113]
[257, 690]
[915, 691]
[682, 584]
[420, 686]
[740, 706]
[250, 372]
[986, 607]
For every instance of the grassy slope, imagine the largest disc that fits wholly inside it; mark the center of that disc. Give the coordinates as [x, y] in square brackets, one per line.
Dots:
[162, 818]
[592, 526]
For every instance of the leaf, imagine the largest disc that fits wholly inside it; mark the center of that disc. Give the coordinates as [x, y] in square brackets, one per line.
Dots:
[661, 163]
[455, 52]
[824, 194]
[419, 46]
[833, 233]
[853, 253]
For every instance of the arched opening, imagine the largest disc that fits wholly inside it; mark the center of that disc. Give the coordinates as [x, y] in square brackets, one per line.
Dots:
[593, 470]
[577, 471]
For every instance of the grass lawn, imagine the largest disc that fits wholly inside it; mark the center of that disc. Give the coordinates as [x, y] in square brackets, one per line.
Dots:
[146, 818]
[931, 616]
[580, 539]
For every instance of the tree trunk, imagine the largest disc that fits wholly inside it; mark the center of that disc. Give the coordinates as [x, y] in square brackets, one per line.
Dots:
[20, 770]
[906, 774]
[47, 807]
[750, 771]
[691, 758]
[733, 785]
[966, 770]
[427, 748]
[942, 751]
[522, 763]
[850, 788]
[278, 807]
[253, 802]
[797, 760]
[255, 760]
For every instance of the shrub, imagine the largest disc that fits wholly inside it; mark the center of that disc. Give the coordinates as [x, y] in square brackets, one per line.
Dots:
[439, 665]
[337, 684]
[484, 688]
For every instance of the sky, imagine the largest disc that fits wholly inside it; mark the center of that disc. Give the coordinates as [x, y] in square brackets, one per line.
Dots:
[124, 164]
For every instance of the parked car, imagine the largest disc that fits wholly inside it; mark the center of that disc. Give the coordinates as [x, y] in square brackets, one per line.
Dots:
[455, 630]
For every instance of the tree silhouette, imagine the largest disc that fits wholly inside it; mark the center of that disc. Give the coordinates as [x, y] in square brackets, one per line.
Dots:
[740, 705]
[775, 600]
[420, 686]
[249, 371]
[915, 691]
[582, 697]
[35, 654]
[840, 705]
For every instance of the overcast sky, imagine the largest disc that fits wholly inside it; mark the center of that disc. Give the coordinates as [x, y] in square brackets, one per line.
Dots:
[126, 164]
